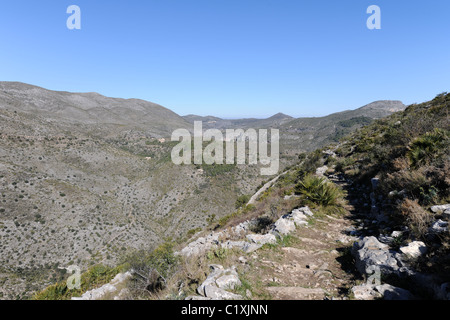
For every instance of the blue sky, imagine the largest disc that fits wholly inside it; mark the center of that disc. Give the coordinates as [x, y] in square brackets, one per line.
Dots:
[232, 58]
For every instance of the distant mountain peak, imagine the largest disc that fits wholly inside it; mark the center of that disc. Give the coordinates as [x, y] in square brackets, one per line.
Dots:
[390, 105]
[280, 115]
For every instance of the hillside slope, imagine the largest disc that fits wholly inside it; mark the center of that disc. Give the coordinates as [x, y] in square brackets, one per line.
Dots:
[104, 114]
[378, 198]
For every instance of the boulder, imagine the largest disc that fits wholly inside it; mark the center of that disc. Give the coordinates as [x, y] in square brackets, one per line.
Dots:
[414, 249]
[304, 210]
[365, 292]
[287, 223]
[446, 214]
[215, 272]
[201, 245]
[440, 208]
[216, 293]
[262, 239]
[369, 252]
[284, 226]
[439, 226]
[235, 244]
[219, 278]
[114, 290]
[228, 281]
[385, 291]
[241, 228]
[299, 216]
[394, 293]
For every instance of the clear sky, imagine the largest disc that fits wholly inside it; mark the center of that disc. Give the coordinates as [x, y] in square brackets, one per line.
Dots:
[232, 58]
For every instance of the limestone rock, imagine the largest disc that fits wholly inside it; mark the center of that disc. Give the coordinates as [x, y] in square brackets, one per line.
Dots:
[216, 293]
[262, 239]
[218, 280]
[113, 290]
[321, 170]
[440, 208]
[385, 291]
[287, 223]
[215, 272]
[439, 226]
[201, 245]
[241, 228]
[284, 226]
[446, 214]
[251, 247]
[235, 244]
[241, 245]
[228, 281]
[369, 252]
[394, 293]
[414, 249]
[365, 292]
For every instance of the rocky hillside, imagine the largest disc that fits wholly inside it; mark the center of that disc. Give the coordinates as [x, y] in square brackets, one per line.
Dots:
[366, 218]
[308, 134]
[85, 178]
[89, 113]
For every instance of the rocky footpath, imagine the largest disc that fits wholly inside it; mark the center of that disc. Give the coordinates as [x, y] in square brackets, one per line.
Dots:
[311, 269]
[220, 280]
[216, 285]
[249, 241]
[376, 259]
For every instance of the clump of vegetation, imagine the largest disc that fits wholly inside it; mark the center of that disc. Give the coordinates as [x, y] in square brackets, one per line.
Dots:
[310, 163]
[219, 254]
[242, 201]
[429, 146]
[319, 191]
[151, 269]
[416, 217]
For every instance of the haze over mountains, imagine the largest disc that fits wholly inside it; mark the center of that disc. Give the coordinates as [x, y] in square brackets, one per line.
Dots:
[85, 177]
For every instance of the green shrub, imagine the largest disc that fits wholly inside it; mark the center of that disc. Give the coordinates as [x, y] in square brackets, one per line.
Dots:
[344, 163]
[319, 191]
[242, 201]
[191, 232]
[151, 268]
[428, 146]
[219, 253]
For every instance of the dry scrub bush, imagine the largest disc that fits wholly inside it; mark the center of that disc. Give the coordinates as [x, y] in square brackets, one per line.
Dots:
[415, 217]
